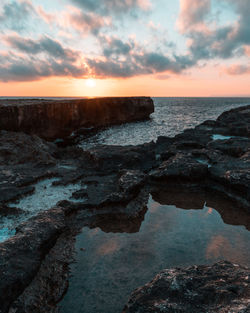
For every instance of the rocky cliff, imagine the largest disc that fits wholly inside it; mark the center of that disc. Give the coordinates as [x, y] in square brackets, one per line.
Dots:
[51, 119]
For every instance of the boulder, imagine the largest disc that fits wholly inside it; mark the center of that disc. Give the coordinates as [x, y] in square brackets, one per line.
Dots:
[181, 167]
[223, 287]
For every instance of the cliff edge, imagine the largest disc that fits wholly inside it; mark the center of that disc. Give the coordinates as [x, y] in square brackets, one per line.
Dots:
[51, 119]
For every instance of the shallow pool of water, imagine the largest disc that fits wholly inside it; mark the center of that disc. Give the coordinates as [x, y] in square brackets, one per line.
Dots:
[109, 266]
[45, 196]
[221, 137]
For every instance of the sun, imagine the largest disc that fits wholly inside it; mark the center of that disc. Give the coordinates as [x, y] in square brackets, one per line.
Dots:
[91, 83]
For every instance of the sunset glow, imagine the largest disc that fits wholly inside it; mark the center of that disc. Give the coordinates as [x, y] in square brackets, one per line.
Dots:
[91, 83]
[162, 48]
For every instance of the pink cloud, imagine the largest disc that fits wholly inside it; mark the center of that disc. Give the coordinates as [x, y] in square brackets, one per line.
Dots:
[238, 69]
[154, 26]
[193, 14]
[145, 4]
[47, 17]
[247, 50]
[87, 22]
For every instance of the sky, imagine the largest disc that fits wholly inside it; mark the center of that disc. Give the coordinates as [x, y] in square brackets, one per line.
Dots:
[124, 48]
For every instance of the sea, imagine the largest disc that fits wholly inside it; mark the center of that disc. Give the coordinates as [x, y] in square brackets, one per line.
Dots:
[172, 116]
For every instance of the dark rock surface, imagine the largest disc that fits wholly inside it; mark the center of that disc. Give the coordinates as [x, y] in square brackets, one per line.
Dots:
[182, 167]
[21, 255]
[114, 185]
[223, 287]
[53, 119]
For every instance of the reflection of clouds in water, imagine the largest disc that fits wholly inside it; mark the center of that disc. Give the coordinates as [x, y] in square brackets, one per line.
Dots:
[154, 206]
[210, 211]
[114, 264]
[109, 247]
[233, 248]
[218, 246]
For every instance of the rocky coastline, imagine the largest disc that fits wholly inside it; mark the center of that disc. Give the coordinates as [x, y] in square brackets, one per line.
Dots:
[114, 184]
[57, 119]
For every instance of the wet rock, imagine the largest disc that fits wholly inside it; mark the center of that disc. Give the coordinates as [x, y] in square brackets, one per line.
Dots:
[21, 255]
[51, 281]
[19, 148]
[14, 192]
[52, 119]
[182, 167]
[131, 180]
[234, 175]
[117, 158]
[7, 211]
[106, 190]
[234, 147]
[223, 287]
[237, 121]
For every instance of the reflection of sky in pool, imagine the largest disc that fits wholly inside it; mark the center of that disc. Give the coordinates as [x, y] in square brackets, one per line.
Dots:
[110, 266]
[221, 137]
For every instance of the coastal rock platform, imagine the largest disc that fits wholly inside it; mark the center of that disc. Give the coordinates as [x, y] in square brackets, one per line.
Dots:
[113, 185]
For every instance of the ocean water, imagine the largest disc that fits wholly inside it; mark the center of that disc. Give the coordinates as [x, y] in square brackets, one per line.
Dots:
[171, 116]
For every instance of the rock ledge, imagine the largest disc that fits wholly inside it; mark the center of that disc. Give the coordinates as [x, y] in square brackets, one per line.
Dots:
[223, 287]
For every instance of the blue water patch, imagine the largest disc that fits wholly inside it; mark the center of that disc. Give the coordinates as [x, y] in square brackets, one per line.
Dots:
[205, 162]
[6, 233]
[46, 196]
[221, 137]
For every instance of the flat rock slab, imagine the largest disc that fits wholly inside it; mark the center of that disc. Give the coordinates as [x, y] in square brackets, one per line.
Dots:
[223, 287]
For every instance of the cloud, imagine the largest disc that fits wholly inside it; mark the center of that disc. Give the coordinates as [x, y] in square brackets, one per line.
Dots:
[238, 69]
[153, 26]
[47, 17]
[45, 45]
[39, 59]
[115, 46]
[87, 22]
[15, 14]
[127, 59]
[26, 70]
[216, 41]
[108, 7]
[247, 50]
[193, 14]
